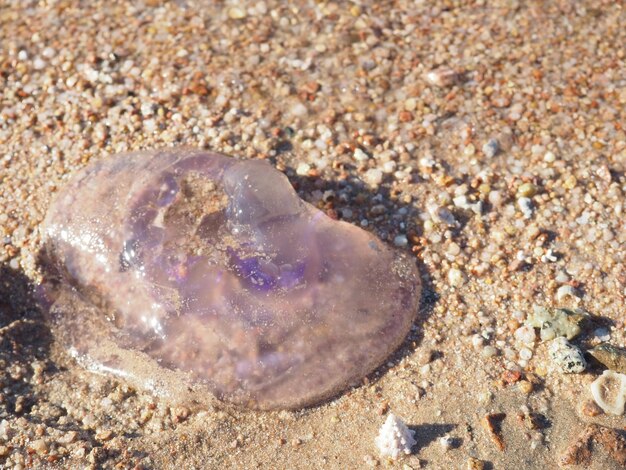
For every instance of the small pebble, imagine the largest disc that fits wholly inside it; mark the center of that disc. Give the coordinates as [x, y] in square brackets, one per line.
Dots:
[456, 277]
[40, 446]
[567, 357]
[489, 351]
[525, 334]
[373, 176]
[360, 155]
[303, 169]
[491, 148]
[549, 157]
[236, 13]
[475, 464]
[442, 77]
[610, 356]
[400, 241]
[590, 408]
[526, 206]
[525, 387]
[527, 190]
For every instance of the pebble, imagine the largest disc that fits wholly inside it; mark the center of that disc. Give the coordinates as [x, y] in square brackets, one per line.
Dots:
[299, 110]
[400, 241]
[40, 446]
[549, 157]
[360, 155]
[442, 77]
[526, 207]
[373, 176]
[475, 464]
[567, 357]
[446, 443]
[527, 190]
[525, 387]
[491, 148]
[303, 169]
[489, 351]
[610, 356]
[236, 13]
[525, 334]
[590, 408]
[525, 354]
[582, 451]
[456, 277]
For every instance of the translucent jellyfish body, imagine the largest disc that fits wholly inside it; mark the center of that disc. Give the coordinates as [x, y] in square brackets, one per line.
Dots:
[187, 271]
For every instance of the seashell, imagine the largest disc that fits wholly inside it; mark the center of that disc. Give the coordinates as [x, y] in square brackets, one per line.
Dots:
[395, 438]
[609, 392]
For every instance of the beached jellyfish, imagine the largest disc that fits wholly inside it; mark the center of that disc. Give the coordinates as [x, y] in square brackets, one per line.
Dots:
[184, 270]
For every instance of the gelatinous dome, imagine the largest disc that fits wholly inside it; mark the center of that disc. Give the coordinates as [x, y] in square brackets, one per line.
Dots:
[186, 262]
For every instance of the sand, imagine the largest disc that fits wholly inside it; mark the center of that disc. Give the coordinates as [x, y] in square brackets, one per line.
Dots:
[486, 138]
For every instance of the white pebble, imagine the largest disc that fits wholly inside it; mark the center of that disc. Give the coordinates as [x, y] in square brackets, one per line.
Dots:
[561, 277]
[360, 155]
[602, 334]
[442, 77]
[491, 148]
[299, 110]
[446, 442]
[400, 241]
[39, 63]
[373, 176]
[549, 157]
[456, 277]
[567, 357]
[149, 125]
[525, 334]
[303, 169]
[453, 249]
[48, 53]
[549, 257]
[147, 109]
[525, 354]
[525, 205]
[495, 198]
[389, 167]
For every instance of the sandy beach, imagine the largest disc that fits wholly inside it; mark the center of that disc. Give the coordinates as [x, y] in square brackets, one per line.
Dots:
[487, 139]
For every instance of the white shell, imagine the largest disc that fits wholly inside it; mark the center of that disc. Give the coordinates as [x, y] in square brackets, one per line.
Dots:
[395, 438]
[609, 392]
